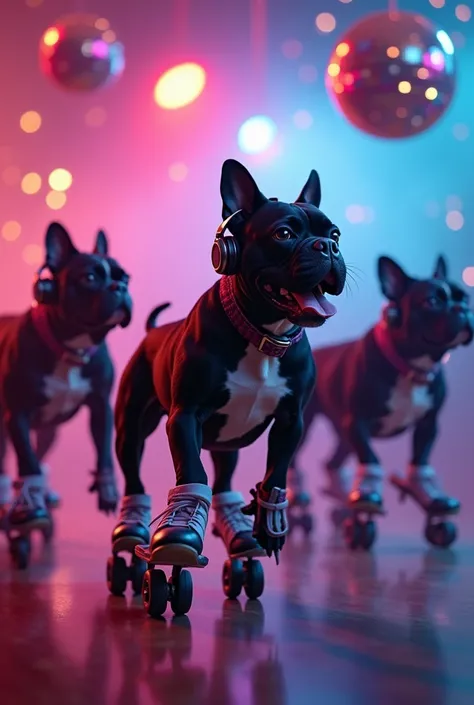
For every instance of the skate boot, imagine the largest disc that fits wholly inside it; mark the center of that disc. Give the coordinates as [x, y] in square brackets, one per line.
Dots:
[178, 541]
[365, 500]
[338, 487]
[298, 501]
[6, 494]
[179, 536]
[52, 498]
[132, 530]
[422, 485]
[235, 530]
[28, 512]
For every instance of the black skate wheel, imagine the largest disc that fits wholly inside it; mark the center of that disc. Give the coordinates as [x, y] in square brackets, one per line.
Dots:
[155, 593]
[307, 523]
[233, 576]
[368, 534]
[117, 575]
[182, 592]
[442, 534]
[20, 551]
[48, 531]
[254, 579]
[137, 571]
[352, 534]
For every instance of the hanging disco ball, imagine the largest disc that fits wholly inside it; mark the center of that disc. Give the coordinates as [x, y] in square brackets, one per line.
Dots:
[392, 74]
[81, 53]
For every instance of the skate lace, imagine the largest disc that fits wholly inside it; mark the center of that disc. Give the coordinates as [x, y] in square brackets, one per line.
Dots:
[187, 512]
[135, 515]
[231, 521]
[29, 498]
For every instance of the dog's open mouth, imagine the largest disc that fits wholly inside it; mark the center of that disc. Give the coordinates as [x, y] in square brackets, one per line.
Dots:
[313, 303]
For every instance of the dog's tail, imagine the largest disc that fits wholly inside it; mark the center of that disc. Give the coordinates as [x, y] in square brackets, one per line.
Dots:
[151, 320]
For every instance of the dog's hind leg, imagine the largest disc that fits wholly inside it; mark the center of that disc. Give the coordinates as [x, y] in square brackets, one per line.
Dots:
[6, 494]
[137, 414]
[230, 524]
[45, 440]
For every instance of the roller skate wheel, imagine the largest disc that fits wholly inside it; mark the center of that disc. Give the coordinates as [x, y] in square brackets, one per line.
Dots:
[441, 534]
[352, 534]
[181, 592]
[368, 535]
[117, 575]
[307, 523]
[254, 579]
[20, 550]
[137, 571]
[233, 576]
[155, 592]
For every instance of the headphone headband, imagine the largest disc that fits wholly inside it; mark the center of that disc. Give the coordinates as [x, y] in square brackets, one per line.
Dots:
[225, 224]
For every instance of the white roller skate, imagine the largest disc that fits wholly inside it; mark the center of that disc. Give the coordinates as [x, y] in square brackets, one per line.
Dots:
[52, 498]
[235, 530]
[178, 541]
[131, 530]
[28, 513]
[422, 485]
[338, 486]
[365, 501]
[298, 501]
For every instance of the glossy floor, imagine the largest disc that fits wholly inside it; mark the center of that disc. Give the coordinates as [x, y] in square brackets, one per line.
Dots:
[396, 627]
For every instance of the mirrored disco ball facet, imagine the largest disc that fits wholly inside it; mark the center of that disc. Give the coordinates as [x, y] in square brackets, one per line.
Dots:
[393, 74]
[80, 56]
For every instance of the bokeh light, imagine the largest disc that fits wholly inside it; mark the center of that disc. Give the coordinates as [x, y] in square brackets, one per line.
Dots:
[302, 119]
[60, 180]
[256, 134]
[437, 3]
[468, 276]
[325, 22]
[102, 24]
[307, 73]
[180, 86]
[51, 37]
[56, 200]
[454, 220]
[32, 254]
[11, 175]
[292, 49]
[178, 171]
[95, 117]
[461, 132]
[11, 230]
[463, 13]
[31, 183]
[355, 214]
[30, 121]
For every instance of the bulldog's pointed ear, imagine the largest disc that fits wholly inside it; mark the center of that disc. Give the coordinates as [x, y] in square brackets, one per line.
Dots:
[239, 190]
[393, 280]
[311, 192]
[59, 247]
[101, 246]
[441, 268]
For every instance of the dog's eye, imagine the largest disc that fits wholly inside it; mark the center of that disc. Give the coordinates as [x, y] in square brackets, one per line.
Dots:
[283, 234]
[88, 278]
[335, 235]
[432, 302]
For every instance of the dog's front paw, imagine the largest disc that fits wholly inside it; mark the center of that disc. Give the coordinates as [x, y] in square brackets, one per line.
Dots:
[105, 486]
[271, 522]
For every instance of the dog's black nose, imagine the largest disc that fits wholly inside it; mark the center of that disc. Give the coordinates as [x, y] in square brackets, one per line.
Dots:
[326, 246]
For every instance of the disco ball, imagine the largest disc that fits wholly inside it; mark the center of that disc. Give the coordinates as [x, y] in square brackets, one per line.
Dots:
[392, 74]
[81, 53]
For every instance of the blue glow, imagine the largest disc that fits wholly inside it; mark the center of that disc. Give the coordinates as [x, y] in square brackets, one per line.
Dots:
[445, 41]
[256, 134]
[412, 55]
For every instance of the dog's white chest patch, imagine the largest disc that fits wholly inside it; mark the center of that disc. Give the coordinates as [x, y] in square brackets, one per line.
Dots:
[65, 389]
[255, 389]
[408, 402]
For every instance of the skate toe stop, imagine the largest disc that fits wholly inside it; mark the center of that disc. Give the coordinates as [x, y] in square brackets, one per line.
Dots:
[182, 536]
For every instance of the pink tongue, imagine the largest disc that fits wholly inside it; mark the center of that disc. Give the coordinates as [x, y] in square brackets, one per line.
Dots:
[315, 303]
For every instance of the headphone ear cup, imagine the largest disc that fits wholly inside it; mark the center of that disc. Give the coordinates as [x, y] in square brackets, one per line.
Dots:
[393, 316]
[45, 291]
[225, 255]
